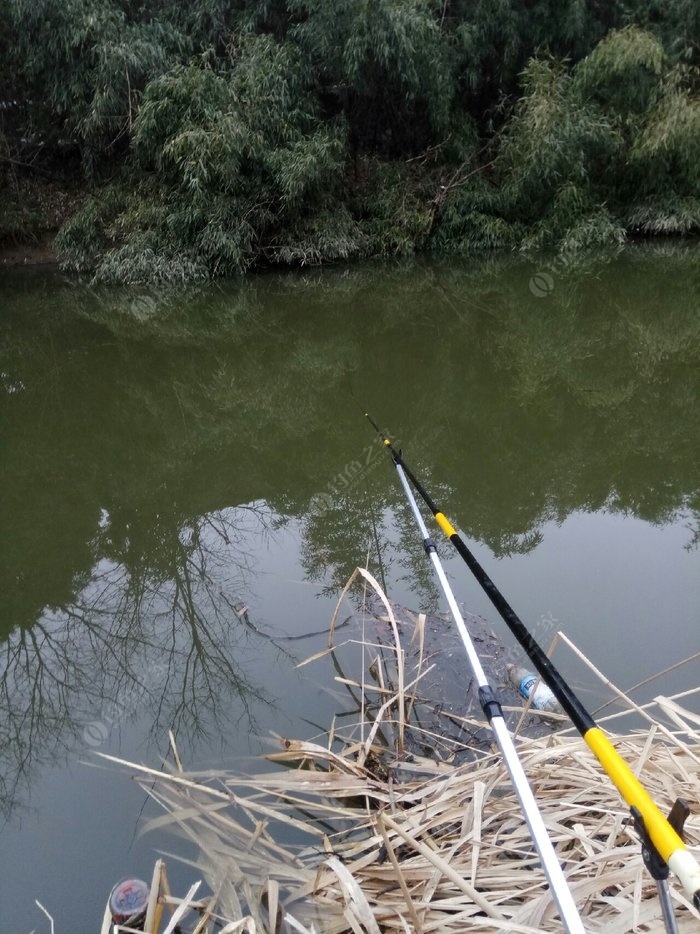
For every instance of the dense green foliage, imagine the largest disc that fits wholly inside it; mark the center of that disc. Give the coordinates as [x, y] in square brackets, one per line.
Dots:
[216, 135]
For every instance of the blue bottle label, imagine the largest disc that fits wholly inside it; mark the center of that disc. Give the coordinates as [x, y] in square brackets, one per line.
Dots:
[526, 685]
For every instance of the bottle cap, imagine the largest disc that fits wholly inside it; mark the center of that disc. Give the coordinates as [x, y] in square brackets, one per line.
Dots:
[128, 898]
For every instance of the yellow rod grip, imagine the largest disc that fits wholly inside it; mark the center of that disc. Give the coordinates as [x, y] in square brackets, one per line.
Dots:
[445, 524]
[662, 835]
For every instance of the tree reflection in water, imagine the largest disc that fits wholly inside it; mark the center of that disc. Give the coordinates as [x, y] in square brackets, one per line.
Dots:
[170, 647]
[135, 425]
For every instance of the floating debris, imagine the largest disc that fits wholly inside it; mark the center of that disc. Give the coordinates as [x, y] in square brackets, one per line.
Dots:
[532, 688]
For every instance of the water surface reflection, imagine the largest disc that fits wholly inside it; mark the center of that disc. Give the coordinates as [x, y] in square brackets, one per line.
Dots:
[152, 442]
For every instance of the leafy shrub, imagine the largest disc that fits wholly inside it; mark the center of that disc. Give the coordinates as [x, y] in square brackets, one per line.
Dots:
[385, 65]
[472, 220]
[86, 63]
[232, 153]
[590, 152]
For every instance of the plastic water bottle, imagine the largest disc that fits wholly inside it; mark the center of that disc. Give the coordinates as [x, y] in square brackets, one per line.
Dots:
[525, 682]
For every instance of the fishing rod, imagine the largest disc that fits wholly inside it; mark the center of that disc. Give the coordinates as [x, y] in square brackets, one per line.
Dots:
[494, 714]
[662, 844]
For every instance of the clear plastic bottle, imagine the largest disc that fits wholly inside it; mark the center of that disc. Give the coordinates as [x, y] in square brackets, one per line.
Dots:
[525, 681]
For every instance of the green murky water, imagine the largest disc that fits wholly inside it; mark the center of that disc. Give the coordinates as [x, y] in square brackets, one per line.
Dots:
[187, 481]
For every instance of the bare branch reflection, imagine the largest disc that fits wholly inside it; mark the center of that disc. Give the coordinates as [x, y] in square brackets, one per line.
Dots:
[137, 642]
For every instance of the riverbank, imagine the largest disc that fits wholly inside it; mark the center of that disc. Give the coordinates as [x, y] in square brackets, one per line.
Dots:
[35, 209]
[28, 254]
[210, 145]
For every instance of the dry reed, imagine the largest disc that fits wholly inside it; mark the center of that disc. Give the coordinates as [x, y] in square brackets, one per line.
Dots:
[386, 840]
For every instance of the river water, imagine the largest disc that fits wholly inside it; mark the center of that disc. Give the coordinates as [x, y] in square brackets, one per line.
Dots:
[187, 481]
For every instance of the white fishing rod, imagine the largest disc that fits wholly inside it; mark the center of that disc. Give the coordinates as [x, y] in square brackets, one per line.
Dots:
[558, 885]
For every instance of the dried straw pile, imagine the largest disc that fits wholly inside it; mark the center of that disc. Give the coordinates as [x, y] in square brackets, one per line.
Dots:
[402, 843]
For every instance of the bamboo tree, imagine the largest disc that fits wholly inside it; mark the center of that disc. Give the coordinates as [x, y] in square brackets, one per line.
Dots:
[219, 135]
